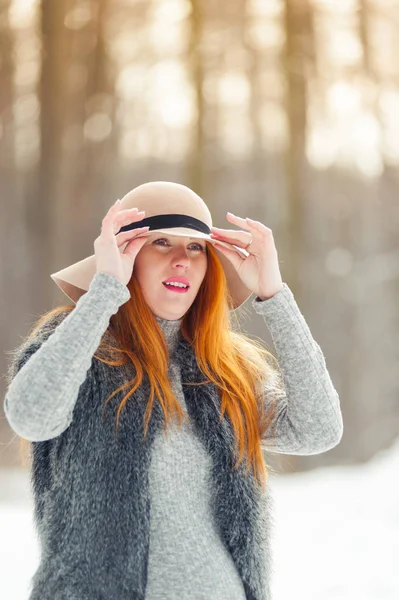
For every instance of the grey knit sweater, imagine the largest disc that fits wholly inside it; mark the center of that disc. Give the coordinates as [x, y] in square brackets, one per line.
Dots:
[196, 564]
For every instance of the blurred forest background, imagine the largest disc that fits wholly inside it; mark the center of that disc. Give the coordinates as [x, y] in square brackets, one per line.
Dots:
[284, 111]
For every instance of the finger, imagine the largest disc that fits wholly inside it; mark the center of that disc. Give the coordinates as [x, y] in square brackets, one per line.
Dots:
[239, 221]
[114, 208]
[124, 217]
[126, 213]
[114, 224]
[239, 238]
[248, 223]
[115, 211]
[108, 220]
[124, 236]
[134, 247]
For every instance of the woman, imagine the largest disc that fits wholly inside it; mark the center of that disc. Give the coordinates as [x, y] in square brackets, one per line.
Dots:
[122, 511]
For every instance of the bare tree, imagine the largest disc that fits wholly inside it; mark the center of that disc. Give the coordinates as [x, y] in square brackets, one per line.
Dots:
[298, 64]
[42, 197]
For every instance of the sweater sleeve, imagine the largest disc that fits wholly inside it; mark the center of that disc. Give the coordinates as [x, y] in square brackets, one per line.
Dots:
[307, 418]
[48, 370]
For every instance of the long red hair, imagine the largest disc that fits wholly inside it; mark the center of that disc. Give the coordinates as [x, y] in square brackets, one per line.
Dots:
[240, 366]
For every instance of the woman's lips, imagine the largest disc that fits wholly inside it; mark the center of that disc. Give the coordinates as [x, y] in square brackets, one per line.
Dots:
[173, 288]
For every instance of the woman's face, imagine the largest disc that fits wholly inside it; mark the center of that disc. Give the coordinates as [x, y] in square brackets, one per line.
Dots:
[165, 257]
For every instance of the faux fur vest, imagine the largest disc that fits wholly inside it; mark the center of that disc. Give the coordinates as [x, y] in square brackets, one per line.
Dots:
[91, 492]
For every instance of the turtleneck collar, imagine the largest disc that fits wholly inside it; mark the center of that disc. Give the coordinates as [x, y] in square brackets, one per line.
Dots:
[171, 331]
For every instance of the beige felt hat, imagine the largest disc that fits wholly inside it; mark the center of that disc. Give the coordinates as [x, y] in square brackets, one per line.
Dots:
[170, 208]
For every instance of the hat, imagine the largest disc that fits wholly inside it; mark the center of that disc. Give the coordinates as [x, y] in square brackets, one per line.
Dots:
[170, 208]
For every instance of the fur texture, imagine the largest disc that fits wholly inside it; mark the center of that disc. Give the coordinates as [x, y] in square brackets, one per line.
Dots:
[91, 492]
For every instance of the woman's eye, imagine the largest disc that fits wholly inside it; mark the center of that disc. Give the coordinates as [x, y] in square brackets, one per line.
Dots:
[197, 247]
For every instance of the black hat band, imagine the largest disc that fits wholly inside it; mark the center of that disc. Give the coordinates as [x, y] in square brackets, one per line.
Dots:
[167, 222]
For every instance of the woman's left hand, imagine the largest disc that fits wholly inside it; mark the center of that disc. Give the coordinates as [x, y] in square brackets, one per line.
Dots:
[260, 271]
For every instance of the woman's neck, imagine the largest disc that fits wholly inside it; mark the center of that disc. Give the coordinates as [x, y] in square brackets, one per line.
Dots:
[171, 331]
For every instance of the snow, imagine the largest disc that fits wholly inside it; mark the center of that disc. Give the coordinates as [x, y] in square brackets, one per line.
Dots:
[336, 533]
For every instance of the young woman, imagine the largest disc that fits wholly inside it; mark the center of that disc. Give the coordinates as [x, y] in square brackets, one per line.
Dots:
[148, 411]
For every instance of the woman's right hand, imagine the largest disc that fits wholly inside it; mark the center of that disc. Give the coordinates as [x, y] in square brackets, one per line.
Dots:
[106, 247]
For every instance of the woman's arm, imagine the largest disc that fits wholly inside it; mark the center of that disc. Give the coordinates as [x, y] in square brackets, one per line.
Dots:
[308, 418]
[48, 370]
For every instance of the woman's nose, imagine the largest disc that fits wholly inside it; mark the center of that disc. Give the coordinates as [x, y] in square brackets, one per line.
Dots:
[180, 255]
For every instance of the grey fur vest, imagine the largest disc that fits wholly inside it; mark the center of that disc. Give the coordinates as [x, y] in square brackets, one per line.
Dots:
[91, 492]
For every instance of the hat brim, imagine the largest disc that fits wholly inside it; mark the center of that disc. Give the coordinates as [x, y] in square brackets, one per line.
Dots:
[74, 281]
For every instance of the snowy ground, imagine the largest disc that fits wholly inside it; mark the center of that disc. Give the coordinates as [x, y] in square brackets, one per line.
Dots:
[336, 533]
